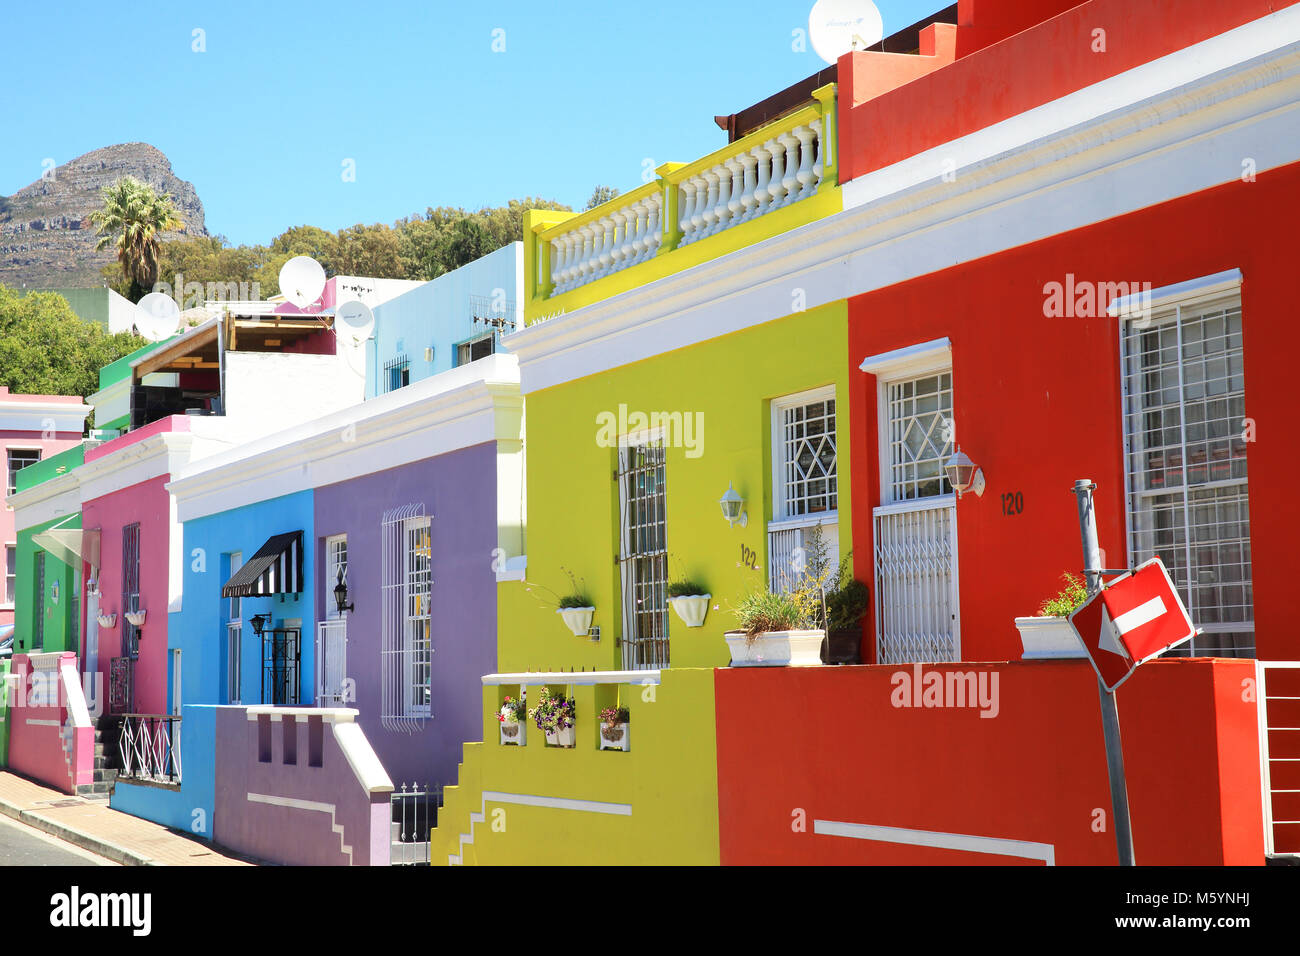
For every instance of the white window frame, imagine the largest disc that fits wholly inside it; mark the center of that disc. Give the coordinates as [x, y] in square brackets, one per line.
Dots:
[332, 546]
[234, 638]
[11, 571]
[11, 477]
[417, 664]
[469, 344]
[785, 531]
[1151, 309]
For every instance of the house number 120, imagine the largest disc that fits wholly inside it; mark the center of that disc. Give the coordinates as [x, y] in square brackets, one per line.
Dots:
[1013, 503]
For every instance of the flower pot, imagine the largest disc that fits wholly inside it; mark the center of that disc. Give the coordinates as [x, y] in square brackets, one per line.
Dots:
[776, 649]
[513, 733]
[691, 608]
[843, 647]
[578, 619]
[107, 620]
[136, 618]
[1048, 638]
[560, 738]
[615, 736]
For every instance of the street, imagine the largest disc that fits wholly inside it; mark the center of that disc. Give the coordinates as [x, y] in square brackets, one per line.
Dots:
[21, 845]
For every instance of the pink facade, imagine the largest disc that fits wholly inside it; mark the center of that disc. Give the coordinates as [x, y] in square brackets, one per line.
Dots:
[52, 738]
[45, 424]
[148, 505]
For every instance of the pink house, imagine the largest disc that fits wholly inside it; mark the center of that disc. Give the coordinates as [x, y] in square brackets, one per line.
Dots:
[32, 427]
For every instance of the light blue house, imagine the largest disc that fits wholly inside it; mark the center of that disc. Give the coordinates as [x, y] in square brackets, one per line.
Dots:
[448, 322]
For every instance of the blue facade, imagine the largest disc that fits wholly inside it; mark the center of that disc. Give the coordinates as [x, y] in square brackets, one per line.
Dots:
[200, 631]
[439, 315]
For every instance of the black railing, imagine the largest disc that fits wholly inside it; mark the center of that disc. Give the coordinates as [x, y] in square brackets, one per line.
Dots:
[415, 814]
[281, 657]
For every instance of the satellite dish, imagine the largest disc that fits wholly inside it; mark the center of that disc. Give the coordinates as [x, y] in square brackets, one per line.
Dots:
[157, 316]
[302, 280]
[354, 319]
[838, 26]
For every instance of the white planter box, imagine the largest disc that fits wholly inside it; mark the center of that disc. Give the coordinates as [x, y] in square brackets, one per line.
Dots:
[107, 620]
[578, 619]
[692, 608]
[561, 738]
[512, 735]
[776, 649]
[136, 618]
[621, 733]
[1048, 638]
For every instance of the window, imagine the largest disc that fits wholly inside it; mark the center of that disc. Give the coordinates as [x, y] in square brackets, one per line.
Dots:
[1185, 449]
[476, 349]
[11, 574]
[234, 638]
[918, 414]
[805, 487]
[417, 649]
[643, 563]
[20, 458]
[397, 373]
[336, 571]
[130, 589]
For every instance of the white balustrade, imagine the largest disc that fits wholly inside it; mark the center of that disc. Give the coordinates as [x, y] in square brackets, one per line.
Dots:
[785, 168]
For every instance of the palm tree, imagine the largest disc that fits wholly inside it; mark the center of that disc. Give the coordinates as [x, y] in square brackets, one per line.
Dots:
[133, 219]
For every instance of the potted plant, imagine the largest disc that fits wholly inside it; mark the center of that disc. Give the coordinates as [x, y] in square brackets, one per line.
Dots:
[136, 617]
[512, 717]
[1049, 635]
[845, 608]
[690, 600]
[575, 607]
[554, 717]
[778, 629]
[614, 731]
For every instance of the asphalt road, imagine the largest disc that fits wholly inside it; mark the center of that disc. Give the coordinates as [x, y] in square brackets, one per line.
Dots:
[21, 845]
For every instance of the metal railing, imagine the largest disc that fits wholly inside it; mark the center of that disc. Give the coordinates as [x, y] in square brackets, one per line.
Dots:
[150, 746]
[916, 588]
[414, 815]
[331, 662]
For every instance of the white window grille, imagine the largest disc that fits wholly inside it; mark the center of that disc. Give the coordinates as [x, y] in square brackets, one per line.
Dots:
[917, 613]
[643, 561]
[919, 416]
[406, 645]
[805, 484]
[1185, 454]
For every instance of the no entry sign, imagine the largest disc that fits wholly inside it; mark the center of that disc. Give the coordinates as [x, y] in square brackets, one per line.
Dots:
[1133, 620]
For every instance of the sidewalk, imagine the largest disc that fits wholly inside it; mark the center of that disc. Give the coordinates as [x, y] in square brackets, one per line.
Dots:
[91, 825]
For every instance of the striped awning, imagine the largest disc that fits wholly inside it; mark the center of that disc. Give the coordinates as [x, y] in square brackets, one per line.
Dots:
[275, 569]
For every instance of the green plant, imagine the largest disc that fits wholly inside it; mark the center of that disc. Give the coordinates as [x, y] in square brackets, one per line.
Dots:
[1067, 600]
[553, 714]
[685, 588]
[577, 595]
[846, 605]
[513, 711]
[768, 610]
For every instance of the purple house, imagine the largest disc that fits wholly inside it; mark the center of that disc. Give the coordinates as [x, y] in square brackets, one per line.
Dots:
[416, 498]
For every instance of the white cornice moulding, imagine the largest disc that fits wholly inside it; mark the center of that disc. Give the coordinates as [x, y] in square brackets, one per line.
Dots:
[56, 498]
[1142, 302]
[150, 458]
[36, 417]
[937, 352]
[1146, 136]
[431, 417]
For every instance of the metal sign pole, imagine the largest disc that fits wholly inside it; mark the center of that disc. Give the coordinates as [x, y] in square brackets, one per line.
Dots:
[1083, 489]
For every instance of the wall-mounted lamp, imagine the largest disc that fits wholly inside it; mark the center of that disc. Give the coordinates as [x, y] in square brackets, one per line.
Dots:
[963, 474]
[733, 507]
[341, 595]
[259, 623]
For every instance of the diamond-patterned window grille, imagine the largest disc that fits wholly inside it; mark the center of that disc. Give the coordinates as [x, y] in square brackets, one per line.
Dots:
[808, 446]
[920, 436]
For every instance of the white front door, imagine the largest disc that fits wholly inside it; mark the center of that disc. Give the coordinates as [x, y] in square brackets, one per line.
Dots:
[917, 611]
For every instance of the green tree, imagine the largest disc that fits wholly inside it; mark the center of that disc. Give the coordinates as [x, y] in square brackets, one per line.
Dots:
[46, 349]
[132, 220]
[601, 195]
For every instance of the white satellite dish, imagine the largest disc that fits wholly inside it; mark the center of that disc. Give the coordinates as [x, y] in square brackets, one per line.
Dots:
[157, 316]
[302, 280]
[354, 320]
[838, 26]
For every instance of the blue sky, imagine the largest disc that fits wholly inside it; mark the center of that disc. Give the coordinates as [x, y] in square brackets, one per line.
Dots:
[412, 92]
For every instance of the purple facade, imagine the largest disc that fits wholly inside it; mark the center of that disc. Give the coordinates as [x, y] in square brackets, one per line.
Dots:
[458, 492]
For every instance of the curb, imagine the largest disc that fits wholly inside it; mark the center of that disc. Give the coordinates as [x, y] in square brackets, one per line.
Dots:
[110, 851]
